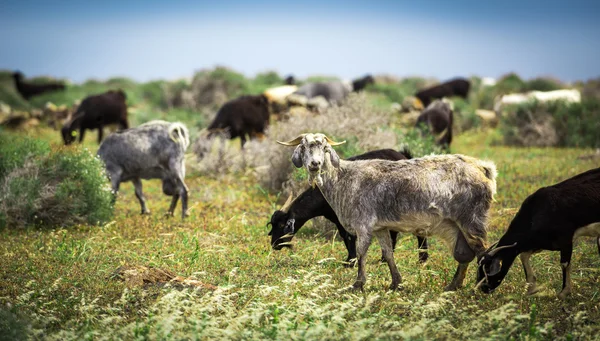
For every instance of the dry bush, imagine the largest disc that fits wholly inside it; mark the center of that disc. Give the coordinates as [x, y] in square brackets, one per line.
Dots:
[355, 121]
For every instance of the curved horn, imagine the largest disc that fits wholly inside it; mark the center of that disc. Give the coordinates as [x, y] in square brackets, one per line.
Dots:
[494, 251]
[288, 203]
[333, 143]
[293, 142]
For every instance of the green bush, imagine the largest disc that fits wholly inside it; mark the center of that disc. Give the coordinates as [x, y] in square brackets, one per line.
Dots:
[553, 124]
[44, 187]
[419, 144]
[543, 84]
[464, 116]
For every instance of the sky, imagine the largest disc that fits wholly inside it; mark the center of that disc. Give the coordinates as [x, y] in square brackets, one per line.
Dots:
[149, 39]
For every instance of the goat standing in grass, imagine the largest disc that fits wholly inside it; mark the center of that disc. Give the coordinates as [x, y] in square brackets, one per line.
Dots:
[552, 218]
[153, 150]
[445, 195]
[295, 213]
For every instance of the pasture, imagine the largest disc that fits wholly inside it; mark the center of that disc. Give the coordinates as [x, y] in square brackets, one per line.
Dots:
[66, 283]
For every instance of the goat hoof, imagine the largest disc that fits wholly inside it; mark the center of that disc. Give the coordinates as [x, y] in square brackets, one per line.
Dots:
[357, 286]
[396, 287]
[563, 294]
[423, 258]
[533, 290]
[451, 287]
[147, 212]
[349, 264]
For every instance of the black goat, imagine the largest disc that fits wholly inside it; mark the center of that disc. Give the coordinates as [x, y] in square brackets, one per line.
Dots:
[455, 87]
[28, 90]
[95, 112]
[310, 204]
[241, 117]
[438, 119]
[290, 80]
[361, 83]
[549, 219]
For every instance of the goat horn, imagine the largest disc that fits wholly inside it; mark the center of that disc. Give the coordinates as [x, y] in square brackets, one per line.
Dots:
[288, 203]
[333, 143]
[494, 251]
[293, 142]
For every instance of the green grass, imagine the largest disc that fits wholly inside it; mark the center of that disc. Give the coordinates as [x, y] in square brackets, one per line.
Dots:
[57, 284]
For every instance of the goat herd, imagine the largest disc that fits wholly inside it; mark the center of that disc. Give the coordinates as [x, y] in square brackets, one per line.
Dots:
[379, 193]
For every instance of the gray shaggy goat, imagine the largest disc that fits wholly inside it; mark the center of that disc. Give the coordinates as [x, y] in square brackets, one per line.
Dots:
[154, 150]
[444, 195]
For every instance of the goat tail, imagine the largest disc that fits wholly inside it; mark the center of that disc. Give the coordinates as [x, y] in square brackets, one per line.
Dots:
[489, 170]
[179, 134]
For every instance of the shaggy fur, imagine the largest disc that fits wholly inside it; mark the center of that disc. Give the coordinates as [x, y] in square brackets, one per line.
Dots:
[311, 204]
[552, 218]
[438, 119]
[154, 150]
[445, 195]
[455, 87]
[95, 112]
[28, 90]
[333, 91]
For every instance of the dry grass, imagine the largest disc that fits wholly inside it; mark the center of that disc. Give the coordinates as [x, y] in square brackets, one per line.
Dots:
[58, 284]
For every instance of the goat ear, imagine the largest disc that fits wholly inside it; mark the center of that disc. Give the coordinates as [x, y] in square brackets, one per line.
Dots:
[495, 267]
[335, 159]
[297, 157]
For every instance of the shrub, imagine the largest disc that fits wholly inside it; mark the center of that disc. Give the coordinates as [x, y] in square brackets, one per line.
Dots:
[58, 188]
[464, 116]
[553, 124]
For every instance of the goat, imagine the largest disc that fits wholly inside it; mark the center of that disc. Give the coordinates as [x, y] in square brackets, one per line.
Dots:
[28, 90]
[95, 112]
[551, 218]
[311, 203]
[455, 87]
[334, 91]
[290, 80]
[444, 195]
[153, 150]
[245, 116]
[437, 118]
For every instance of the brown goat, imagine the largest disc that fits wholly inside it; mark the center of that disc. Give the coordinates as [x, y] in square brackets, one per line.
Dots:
[95, 112]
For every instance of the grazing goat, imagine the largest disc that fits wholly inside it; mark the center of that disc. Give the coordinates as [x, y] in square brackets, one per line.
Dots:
[28, 90]
[241, 117]
[437, 118]
[311, 203]
[95, 112]
[552, 218]
[334, 91]
[154, 150]
[444, 195]
[455, 87]
[290, 80]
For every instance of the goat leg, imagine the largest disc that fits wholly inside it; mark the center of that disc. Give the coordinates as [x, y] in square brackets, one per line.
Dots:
[171, 211]
[385, 241]
[423, 246]
[137, 183]
[565, 263]
[100, 133]
[459, 277]
[350, 243]
[363, 241]
[529, 275]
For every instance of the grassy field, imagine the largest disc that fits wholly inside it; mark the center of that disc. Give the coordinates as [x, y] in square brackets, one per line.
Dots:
[60, 284]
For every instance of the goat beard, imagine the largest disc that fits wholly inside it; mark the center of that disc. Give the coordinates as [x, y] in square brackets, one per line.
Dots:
[314, 178]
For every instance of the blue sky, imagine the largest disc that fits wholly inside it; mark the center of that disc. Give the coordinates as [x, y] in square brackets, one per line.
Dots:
[169, 39]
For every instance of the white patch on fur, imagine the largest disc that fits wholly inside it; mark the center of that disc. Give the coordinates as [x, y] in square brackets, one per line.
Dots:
[591, 230]
[425, 225]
